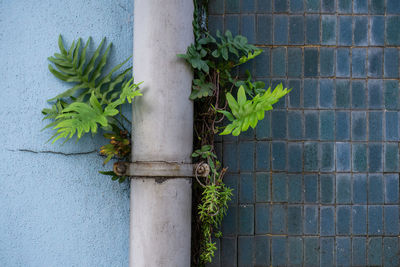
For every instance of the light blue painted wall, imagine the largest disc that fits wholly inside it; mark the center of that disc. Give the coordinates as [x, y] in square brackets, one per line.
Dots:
[55, 210]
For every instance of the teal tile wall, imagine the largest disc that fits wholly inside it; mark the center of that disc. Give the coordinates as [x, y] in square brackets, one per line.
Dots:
[317, 182]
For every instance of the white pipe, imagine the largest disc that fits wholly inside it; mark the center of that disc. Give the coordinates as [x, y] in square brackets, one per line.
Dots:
[163, 131]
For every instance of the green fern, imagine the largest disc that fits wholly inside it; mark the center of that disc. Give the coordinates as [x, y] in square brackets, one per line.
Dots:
[247, 113]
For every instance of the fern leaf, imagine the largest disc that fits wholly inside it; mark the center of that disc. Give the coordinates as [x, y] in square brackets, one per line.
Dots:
[89, 68]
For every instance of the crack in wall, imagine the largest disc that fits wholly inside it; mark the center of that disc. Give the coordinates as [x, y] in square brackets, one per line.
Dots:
[52, 152]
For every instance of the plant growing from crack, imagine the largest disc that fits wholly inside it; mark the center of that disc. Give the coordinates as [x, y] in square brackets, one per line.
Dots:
[94, 101]
[215, 61]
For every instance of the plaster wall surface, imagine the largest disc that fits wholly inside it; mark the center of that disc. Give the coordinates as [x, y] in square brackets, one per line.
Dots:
[55, 209]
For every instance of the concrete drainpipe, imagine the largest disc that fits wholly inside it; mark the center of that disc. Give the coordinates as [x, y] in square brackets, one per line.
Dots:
[160, 228]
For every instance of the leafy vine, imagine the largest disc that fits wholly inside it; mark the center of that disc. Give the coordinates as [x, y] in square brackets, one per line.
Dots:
[215, 62]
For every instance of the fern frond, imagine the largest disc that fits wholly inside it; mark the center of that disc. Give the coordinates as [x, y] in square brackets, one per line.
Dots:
[246, 113]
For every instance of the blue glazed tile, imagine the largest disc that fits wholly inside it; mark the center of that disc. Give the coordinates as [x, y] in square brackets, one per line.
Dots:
[295, 246]
[295, 68]
[232, 24]
[310, 156]
[327, 155]
[391, 95]
[328, 6]
[343, 251]
[262, 218]
[359, 96]
[374, 251]
[310, 220]
[327, 62]
[390, 251]
[360, 6]
[264, 6]
[296, 6]
[391, 157]
[342, 125]
[263, 129]
[246, 193]
[359, 125]
[328, 30]
[327, 125]
[312, 29]
[310, 188]
[216, 7]
[343, 94]
[343, 158]
[359, 57]
[391, 188]
[295, 220]
[228, 224]
[359, 157]
[326, 91]
[391, 68]
[393, 7]
[264, 29]
[375, 189]
[345, 6]
[281, 29]
[311, 251]
[343, 62]
[311, 125]
[375, 126]
[279, 62]
[359, 220]
[247, 28]
[375, 154]
[375, 220]
[392, 126]
[377, 6]
[215, 23]
[295, 94]
[263, 156]
[233, 6]
[392, 30]
[278, 124]
[361, 31]
[247, 135]
[261, 253]
[262, 187]
[345, 30]
[327, 190]
[262, 68]
[327, 218]
[343, 220]
[279, 251]
[312, 5]
[278, 222]
[295, 188]
[359, 189]
[245, 251]
[246, 220]
[310, 93]
[230, 156]
[228, 252]
[295, 157]
[248, 6]
[280, 5]
[232, 180]
[310, 62]
[377, 30]
[279, 187]
[343, 188]
[375, 61]
[279, 153]
[295, 124]
[359, 251]
[246, 156]
[391, 220]
[327, 253]
[375, 94]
